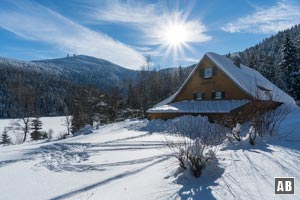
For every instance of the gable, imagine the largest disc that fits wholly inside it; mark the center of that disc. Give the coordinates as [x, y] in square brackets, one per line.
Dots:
[217, 82]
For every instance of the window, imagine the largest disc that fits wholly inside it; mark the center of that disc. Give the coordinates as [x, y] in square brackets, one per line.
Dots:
[208, 72]
[218, 94]
[198, 96]
[266, 91]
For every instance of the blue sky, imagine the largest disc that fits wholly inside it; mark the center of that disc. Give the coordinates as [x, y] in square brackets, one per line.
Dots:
[124, 32]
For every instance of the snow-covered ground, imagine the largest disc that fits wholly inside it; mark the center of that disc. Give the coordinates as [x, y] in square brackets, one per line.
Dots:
[54, 123]
[128, 160]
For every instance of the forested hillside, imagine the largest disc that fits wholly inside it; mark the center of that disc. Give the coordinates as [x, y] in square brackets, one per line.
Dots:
[278, 59]
[87, 70]
[50, 87]
[42, 91]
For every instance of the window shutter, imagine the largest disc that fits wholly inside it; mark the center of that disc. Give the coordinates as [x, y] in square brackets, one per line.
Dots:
[194, 95]
[223, 94]
[201, 73]
[213, 95]
[214, 70]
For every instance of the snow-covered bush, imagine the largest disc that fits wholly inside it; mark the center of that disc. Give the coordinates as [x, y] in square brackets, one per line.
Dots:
[192, 154]
[194, 142]
[190, 126]
[236, 132]
[252, 135]
[85, 130]
[261, 122]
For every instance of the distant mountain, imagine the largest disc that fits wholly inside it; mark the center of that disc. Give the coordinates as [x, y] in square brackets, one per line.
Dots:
[83, 69]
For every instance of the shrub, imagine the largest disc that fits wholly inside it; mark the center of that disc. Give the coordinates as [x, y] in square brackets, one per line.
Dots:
[194, 150]
[263, 123]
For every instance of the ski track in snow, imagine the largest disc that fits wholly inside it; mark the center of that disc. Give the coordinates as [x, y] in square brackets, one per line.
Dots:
[121, 161]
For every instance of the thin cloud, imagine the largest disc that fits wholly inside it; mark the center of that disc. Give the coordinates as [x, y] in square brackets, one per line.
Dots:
[188, 59]
[148, 18]
[281, 16]
[133, 12]
[35, 22]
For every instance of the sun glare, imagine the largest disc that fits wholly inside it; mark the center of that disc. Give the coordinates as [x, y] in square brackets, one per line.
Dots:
[175, 34]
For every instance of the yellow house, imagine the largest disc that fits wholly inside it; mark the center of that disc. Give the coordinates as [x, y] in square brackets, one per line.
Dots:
[220, 88]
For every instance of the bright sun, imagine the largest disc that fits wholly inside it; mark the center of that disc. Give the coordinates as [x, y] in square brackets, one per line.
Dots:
[175, 34]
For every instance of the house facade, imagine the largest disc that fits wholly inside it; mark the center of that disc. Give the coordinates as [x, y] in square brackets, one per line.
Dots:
[220, 88]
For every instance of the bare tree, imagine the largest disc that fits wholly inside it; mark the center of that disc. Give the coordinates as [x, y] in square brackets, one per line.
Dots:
[67, 122]
[25, 98]
[148, 61]
[115, 103]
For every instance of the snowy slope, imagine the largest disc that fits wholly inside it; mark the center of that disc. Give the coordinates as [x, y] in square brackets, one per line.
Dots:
[128, 160]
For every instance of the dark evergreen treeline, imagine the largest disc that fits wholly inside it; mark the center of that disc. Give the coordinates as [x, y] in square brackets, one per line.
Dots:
[154, 86]
[46, 91]
[278, 59]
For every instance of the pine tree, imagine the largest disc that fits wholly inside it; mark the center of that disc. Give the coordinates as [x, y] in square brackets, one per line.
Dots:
[296, 73]
[5, 138]
[36, 126]
[288, 66]
[297, 45]
[180, 75]
[267, 69]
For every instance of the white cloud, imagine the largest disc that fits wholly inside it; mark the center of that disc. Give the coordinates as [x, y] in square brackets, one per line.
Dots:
[134, 12]
[148, 18]
[35, 22]
[281, 16]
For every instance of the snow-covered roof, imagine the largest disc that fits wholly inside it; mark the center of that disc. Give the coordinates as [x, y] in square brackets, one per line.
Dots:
[250, 80]
[246, 78]
[219, 106]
